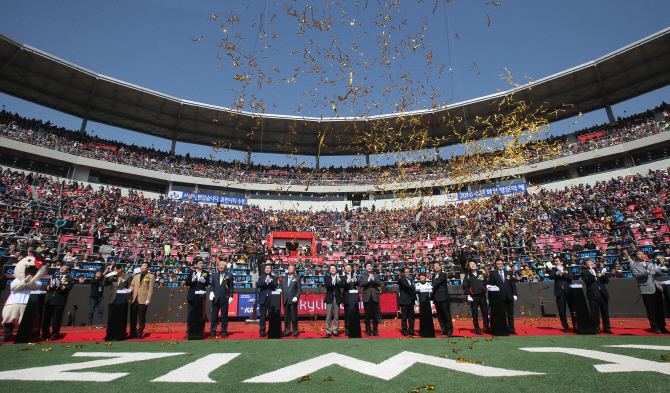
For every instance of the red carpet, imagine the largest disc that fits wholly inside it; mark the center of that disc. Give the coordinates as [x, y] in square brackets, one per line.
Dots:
[170, 332]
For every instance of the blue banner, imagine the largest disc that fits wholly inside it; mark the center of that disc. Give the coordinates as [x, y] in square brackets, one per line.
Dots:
[245, 305]
[207, 198]
[485, 192]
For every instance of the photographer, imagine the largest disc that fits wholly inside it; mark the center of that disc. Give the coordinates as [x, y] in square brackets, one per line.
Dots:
[95, 300]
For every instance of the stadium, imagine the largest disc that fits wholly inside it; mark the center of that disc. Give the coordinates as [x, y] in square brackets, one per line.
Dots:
[165, 184]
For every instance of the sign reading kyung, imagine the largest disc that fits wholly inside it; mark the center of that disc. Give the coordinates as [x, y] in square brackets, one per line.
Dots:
[207, 198]
[485, 192]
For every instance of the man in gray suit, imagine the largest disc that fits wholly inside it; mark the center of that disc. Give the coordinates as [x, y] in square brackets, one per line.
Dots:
[291, 289]
[370, 282]
[333, 300]
[647, 274]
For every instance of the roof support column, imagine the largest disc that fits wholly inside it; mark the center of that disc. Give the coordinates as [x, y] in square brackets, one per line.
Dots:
[248, 157]
[88, 107]
[176, 128]
[608, 108]
[367, 159]
[316, 163]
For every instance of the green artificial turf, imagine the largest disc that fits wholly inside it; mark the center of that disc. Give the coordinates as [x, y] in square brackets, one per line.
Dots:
[563, 372]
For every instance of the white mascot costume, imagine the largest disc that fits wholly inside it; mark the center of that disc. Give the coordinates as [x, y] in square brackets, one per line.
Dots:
[28, 273]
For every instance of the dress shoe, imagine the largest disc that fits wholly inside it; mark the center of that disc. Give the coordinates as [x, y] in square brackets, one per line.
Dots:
[442, 333]
[487, 330]
[224, 335]
[336, 335]
[140, 335]
[566, 330]
[608, 331]
[512, 331]
[327, 335]
[286, 334]
[212, 335]
[263, 335]
[376, 334]
[53, 337]
[478, 331]
[657, 331]
[665, 331]
[296, 334]
[412, 333]
[185, 335]
[597, 331]
[368, 334]
[403, 333]
[450, 334]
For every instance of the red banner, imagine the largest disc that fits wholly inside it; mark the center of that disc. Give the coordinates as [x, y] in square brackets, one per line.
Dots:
[312, 304]
[591, 136]
[232, 307]
[294, 260]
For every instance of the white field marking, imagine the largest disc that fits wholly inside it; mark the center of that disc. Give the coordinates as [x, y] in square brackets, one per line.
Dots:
[634, 346]
[58, 372]
[199, 370]
[386, 370]
[620, 364]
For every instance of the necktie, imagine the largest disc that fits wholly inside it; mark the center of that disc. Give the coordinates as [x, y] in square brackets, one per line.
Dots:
[220, 279]
[502, 276]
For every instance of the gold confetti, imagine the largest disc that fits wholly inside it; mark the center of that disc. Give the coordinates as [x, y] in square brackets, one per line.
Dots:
[190, 354]
[171, 343]
[108, 344]
[25, 349]
[328, 378]
[46, 349]
[305, 378]
[427, 387]
[664, 358]
[461, 360]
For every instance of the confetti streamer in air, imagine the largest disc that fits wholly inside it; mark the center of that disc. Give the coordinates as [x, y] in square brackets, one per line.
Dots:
[354, 60]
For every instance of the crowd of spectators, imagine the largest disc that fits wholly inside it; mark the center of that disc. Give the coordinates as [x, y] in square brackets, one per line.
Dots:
[607, 220]
[44, 134]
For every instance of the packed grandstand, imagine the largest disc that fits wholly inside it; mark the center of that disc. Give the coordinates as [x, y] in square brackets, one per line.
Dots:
[37, 132]
[91, 226]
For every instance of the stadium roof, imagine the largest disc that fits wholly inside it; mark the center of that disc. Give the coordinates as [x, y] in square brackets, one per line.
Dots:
[39, 77]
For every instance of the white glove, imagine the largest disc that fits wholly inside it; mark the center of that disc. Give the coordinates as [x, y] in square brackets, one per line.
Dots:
[230, 300]
[147, 302]
[267, 279]
[470, 298]
[515, 298]
[114, 273]
[56, 282]
[416, 303]
[211, 296]
[295, 300]
[202, 280]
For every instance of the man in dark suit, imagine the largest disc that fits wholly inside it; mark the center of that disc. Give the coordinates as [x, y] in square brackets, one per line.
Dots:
[562, 279]
[475, 292]
[596, 294]
[442, 301]
[291, 289]
[57, 292]
[406, 299]
[370, 282]
[265, 285]
[221, 296]
[333, 300]
[196, 280]
[348, 282]
[508, 294]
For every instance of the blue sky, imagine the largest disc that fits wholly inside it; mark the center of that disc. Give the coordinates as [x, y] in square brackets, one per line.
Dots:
[150, 44]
